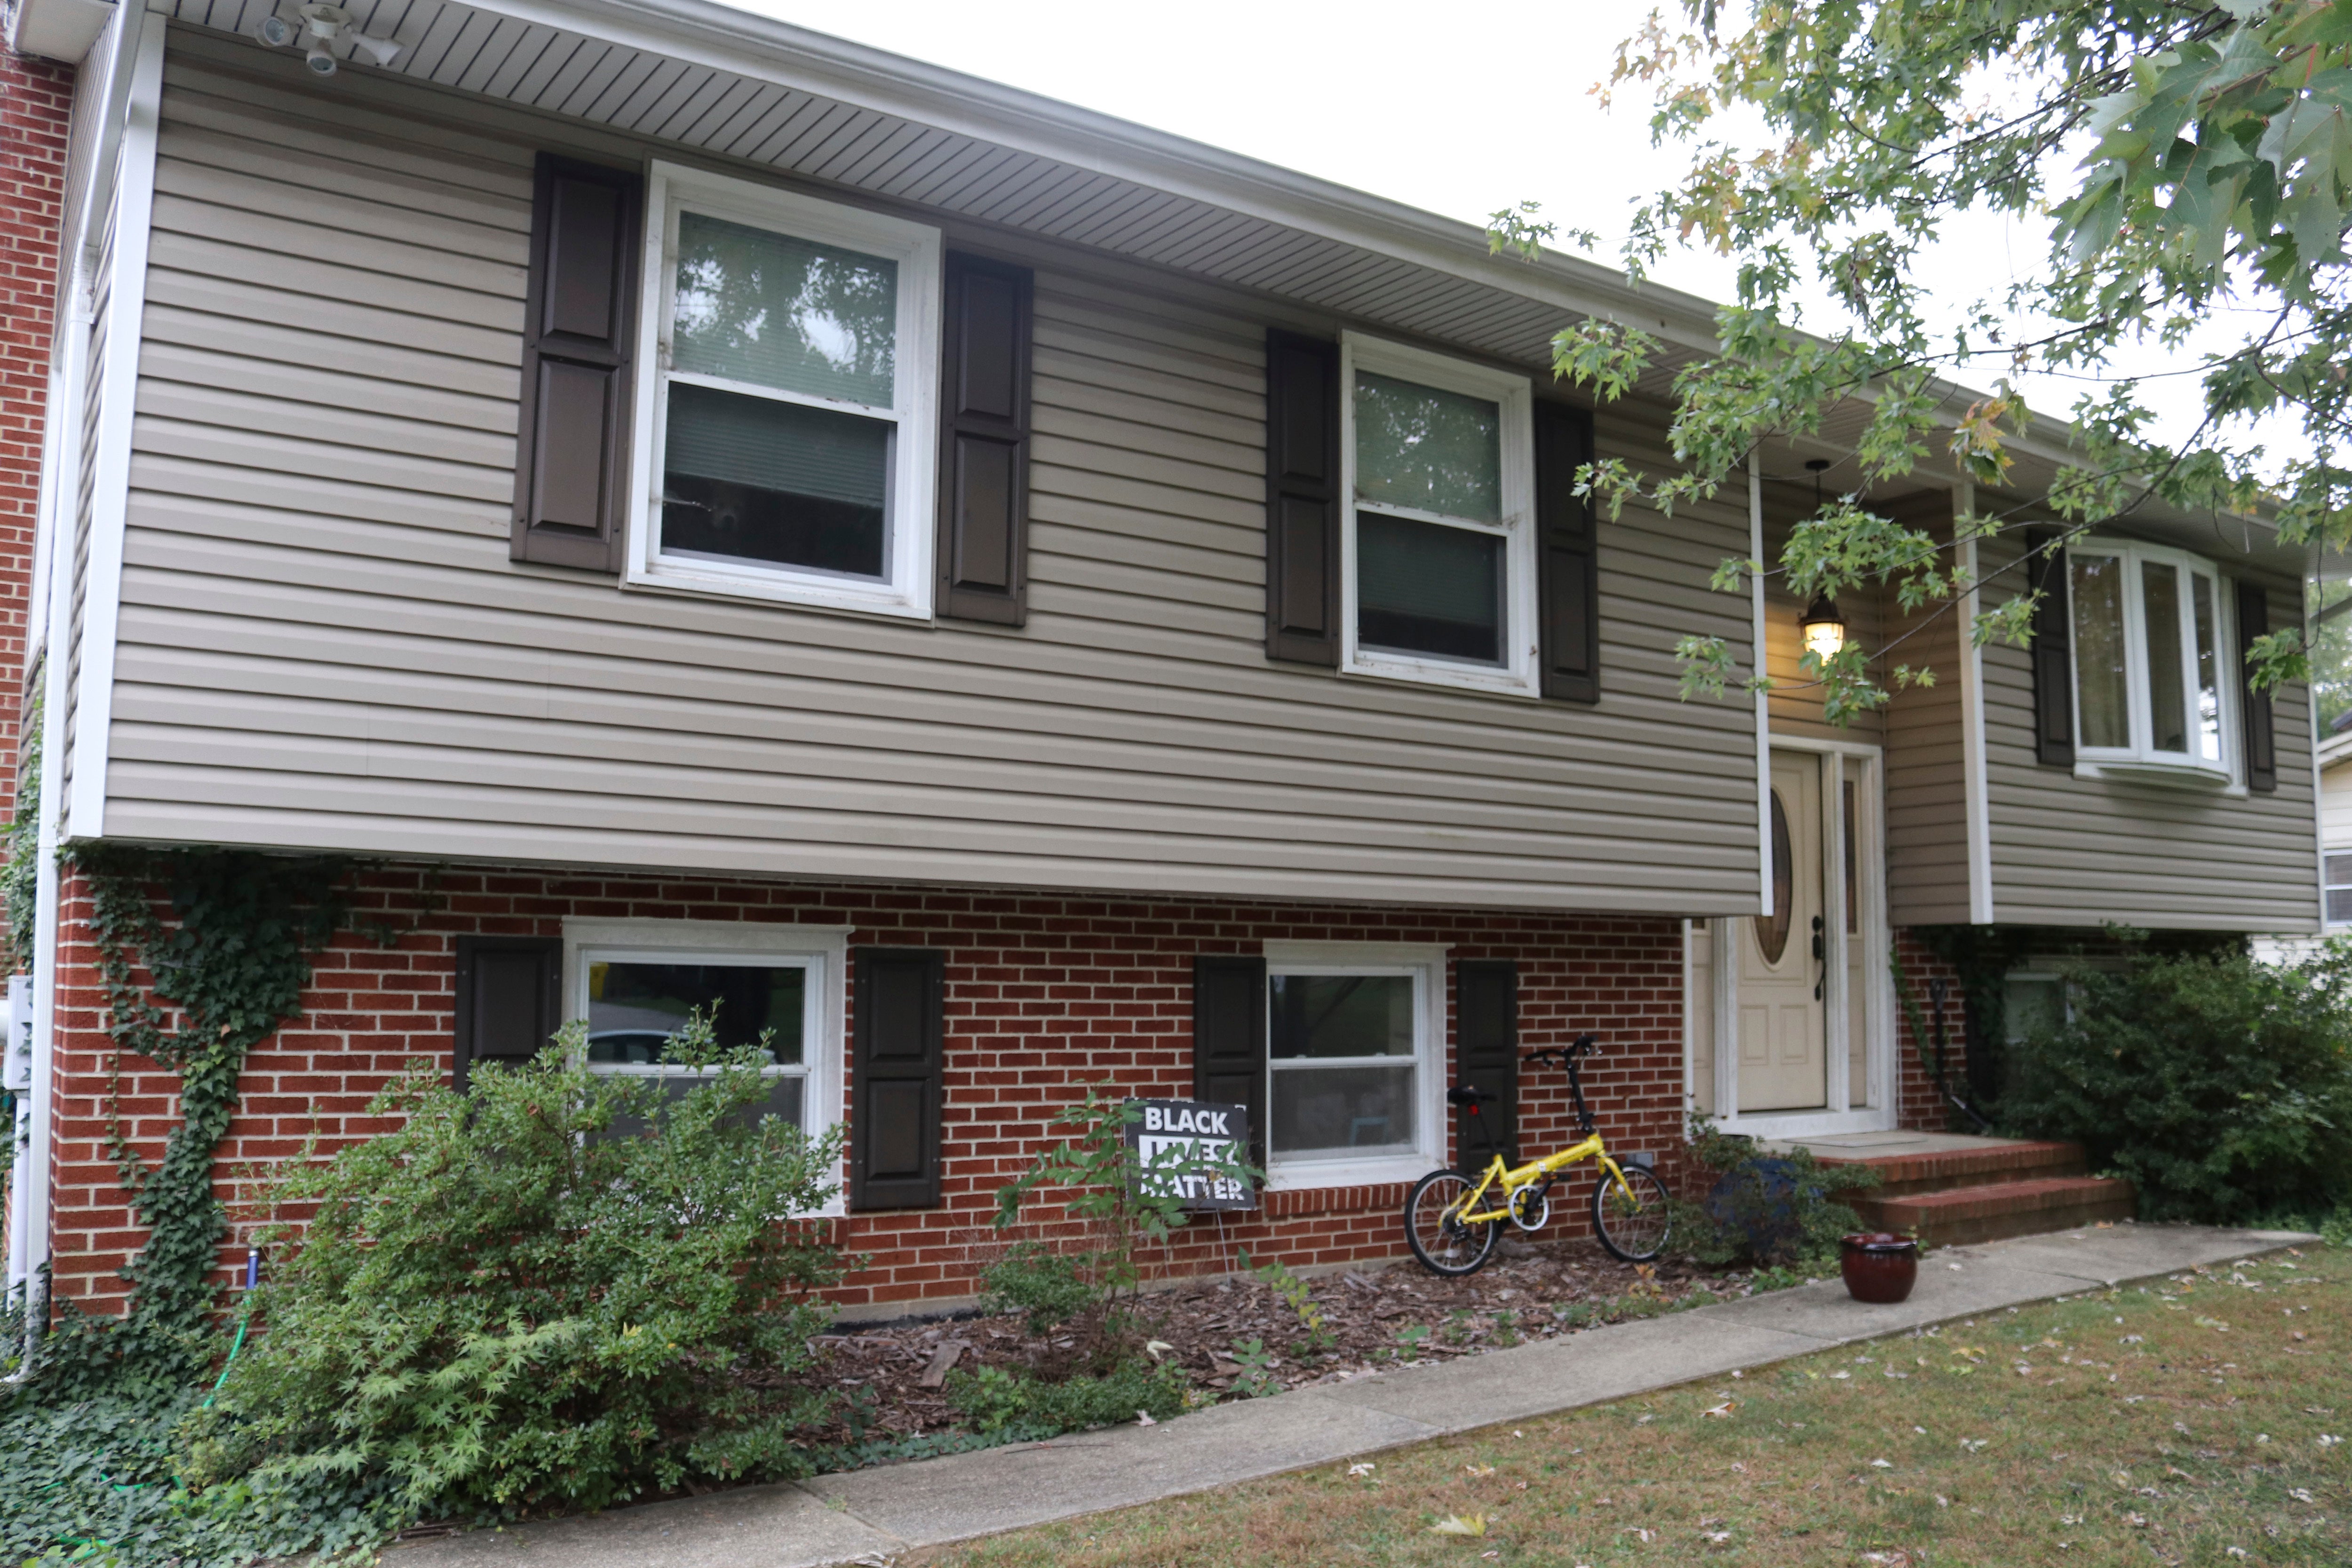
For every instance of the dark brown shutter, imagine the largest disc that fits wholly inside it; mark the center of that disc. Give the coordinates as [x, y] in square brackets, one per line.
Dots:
[1302, 499]
[1229, 1037]
[509, 1005]
[1487, 1039]
[984, 442]
[2261, 740]
[1567, 556]
[2053, 653]
[579, 332]
[897, 1083]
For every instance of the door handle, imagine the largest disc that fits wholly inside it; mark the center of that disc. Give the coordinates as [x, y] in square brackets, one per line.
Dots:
[1820, 956]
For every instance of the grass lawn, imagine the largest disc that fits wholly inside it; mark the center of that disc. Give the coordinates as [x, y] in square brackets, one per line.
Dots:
[2191, 1422]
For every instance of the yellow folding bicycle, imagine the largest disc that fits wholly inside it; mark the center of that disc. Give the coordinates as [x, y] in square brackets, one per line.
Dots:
[1452, 1220]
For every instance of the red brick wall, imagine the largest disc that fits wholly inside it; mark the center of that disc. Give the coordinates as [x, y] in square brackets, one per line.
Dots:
[1920, 1107]
[1045, 994]
[35, 103]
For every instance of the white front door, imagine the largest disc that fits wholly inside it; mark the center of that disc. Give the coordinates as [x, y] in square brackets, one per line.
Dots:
[1783, 1016]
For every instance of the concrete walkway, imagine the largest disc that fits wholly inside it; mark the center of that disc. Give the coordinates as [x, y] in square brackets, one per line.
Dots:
[879, 1512]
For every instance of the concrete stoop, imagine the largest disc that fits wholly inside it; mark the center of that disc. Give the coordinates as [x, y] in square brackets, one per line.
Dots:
[1985, 1191]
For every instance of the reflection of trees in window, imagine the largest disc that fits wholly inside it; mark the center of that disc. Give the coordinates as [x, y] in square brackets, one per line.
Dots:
[770, 308]
[1772, 929]
[1430, 450]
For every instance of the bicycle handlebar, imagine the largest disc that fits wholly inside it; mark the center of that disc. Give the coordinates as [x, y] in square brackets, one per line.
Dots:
[1556, 1056]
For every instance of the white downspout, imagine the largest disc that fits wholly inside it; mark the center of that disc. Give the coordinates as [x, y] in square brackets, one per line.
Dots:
[1976, 791]
[1763, 701]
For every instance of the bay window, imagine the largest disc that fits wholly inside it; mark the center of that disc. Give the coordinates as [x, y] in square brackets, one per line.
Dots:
[1438, 547]
[2153, 670]
[1355, 1047]
[786, 430]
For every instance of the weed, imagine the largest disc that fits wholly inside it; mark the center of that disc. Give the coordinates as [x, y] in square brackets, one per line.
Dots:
[1255, 1380]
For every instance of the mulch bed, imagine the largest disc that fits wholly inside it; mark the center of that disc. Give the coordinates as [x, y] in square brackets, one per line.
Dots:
[1374, 1319]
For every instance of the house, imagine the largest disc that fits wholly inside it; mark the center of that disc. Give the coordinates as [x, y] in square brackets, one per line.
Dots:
[2332, 761]
[704, 513]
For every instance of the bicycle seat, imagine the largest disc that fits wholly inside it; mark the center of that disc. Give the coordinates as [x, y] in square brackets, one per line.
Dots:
[1468, 1096]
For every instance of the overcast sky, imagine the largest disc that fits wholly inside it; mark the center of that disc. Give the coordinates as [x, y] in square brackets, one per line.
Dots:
[1458, 109]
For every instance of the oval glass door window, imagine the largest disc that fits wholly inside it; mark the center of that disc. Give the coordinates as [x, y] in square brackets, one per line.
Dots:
[1772, 929]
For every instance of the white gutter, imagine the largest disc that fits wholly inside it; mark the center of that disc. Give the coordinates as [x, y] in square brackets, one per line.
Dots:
[1975, 784]
[1763, 698]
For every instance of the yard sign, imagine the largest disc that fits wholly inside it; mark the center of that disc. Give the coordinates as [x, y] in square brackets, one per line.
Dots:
[1178, 1143]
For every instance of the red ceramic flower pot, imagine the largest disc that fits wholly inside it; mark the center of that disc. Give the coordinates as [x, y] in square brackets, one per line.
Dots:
[1879, 1268]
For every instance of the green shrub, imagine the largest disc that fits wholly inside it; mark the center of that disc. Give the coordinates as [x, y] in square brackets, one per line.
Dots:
[1049, 1287]
[1777, 1209]
[560, 1288]
[2220, 1087]
[1019, 1404]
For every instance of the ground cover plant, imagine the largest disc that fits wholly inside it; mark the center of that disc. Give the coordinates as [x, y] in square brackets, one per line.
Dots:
[2193, 1421]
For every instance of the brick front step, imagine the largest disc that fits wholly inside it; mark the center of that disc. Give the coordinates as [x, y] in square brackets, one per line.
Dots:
[1991, 1212]
[1944, 1169]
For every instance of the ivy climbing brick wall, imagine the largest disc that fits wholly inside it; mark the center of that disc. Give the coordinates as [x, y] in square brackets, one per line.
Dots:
[1045, 993]
[35, 100]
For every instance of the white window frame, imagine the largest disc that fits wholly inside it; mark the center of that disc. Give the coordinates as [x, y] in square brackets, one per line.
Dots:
[1518, 675]
[2140, 759]
[823, 951]
[905, 588]
[2328, 852]
[1426, 965]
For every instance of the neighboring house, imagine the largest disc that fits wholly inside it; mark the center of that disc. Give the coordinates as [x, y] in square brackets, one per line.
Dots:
[1008, 600]
[2332, 761]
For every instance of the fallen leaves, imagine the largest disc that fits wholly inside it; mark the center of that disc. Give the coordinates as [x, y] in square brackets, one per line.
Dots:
[1454, 1524]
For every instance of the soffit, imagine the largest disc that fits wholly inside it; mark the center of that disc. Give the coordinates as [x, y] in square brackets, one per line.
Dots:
[1087, 196]
[736, 84]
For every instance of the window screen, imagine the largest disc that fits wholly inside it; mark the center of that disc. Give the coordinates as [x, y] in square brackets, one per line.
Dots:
[1344, 1056]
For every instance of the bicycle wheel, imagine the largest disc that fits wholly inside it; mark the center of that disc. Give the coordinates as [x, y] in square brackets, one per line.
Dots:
[1632, 1221]
[1444, 1244]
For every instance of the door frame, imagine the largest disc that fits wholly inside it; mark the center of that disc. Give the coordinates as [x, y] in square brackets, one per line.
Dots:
[1873, 1010]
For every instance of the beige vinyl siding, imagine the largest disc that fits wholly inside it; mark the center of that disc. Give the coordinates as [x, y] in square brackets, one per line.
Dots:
[1926, 800]
[2080, 851]
[1795, 701]
[325, 645]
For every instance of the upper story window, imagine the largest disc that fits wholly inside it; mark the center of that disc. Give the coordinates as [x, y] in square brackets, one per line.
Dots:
[2152, 666]
[786, 438]
[1438, 542]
